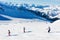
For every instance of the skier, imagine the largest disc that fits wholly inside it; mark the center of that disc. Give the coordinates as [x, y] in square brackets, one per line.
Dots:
[24, 29]
[9, 33]
[49, 29]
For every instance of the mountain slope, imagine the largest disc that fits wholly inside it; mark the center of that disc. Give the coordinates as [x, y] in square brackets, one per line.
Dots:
[24, 12]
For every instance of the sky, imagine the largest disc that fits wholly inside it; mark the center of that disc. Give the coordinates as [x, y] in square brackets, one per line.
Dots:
[41, 2]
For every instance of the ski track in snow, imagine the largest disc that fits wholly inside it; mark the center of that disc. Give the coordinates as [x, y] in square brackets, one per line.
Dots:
[35, 30]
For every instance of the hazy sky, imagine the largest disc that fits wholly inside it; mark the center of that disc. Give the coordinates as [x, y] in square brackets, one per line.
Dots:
[52, 2]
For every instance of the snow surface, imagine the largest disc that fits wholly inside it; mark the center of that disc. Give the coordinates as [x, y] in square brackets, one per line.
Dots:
[35, 30]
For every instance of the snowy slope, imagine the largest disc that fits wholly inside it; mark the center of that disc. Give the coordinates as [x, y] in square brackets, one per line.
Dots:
[35, 30]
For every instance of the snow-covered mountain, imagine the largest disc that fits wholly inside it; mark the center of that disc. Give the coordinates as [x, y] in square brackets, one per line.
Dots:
[46, 12]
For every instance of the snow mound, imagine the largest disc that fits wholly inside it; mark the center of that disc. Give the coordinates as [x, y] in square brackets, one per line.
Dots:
[56, 23]
[55, 26]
